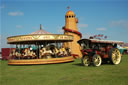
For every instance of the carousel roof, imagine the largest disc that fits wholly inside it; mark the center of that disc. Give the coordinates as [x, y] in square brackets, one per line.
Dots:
[39, 36]
[41, 31]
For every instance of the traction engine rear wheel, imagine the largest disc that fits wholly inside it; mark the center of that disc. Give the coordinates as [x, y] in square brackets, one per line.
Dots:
[85, 61]
[115, 56]
[96, 59]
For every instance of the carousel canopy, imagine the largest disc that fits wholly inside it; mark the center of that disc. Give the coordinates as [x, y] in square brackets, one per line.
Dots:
[41, 31]
[39, 37]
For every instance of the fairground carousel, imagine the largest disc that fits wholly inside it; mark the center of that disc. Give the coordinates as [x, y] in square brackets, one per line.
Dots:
[40, 47]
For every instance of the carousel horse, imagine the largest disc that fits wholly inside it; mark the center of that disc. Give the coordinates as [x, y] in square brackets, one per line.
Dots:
[27, 53]
[62, 52]
[23, 54]
[45, 53]
[18, 55]
[48, 53]
[33, 54]
[42, 52]
[30, 54]
[68, 50]
[13, 54]
[55, 52]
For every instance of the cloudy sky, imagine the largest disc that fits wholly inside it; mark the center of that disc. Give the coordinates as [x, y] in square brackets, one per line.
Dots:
[108, 17]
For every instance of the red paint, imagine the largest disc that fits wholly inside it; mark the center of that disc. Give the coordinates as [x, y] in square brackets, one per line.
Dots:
[5, 53]
[75, 55]
[76, 32]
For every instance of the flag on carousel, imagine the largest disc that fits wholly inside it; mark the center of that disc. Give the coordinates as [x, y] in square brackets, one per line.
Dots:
[68, 7]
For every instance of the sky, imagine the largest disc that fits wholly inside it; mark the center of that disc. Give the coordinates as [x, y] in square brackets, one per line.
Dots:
[107, 17]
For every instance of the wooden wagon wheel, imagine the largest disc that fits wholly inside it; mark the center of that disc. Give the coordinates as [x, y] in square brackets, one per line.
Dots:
[115, 56]
[96, 59]
[85, 60]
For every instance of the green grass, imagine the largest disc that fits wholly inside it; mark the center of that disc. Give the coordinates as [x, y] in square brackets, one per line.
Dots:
[65, 74]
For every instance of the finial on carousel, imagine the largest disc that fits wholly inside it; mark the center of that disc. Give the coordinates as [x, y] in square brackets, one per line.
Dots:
[40, 27]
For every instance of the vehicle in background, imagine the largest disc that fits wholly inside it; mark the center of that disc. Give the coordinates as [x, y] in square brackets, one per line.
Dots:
[95, 51]
[5, 52]
[0, 56]
[122, 49]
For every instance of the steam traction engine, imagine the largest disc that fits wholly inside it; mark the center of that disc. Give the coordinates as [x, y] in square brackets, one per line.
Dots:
[95, 51]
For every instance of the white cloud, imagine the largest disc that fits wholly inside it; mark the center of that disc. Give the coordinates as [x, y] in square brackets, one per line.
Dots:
[19, 26]
[101, 29]
[18, 13]
[121, 23]
[82, 25]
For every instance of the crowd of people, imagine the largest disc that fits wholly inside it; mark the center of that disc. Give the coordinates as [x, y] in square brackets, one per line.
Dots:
[43, 53]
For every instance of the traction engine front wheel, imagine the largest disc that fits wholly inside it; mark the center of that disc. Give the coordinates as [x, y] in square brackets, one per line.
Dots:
[96, 59]
[85, 60]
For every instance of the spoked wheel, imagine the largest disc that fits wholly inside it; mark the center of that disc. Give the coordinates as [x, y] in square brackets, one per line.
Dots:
[96, 59]
[115, 56]
[85, 61]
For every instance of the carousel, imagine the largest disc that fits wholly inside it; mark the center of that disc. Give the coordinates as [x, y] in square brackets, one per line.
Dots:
[40, 47]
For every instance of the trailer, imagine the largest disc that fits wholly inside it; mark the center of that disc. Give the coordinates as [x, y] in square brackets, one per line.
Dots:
[5, 52]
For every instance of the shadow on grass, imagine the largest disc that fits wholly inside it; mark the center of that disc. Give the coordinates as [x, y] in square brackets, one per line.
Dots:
[41, 64]
[78, 64]
[91, 65]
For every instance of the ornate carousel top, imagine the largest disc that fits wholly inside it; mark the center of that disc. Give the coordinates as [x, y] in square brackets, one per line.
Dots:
[38, 36]
[41, 31]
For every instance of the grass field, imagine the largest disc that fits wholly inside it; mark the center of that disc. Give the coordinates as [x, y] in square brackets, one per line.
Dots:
[65, 74]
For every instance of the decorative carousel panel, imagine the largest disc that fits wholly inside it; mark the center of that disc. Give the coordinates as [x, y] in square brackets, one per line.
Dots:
[23, 38]
[41, 61]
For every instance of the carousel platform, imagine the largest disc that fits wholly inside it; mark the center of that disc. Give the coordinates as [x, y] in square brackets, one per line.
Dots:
[41, 61]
